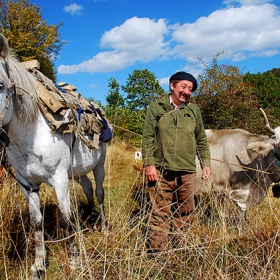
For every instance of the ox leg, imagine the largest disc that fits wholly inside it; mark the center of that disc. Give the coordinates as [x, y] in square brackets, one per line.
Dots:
[242, 225]
[227, 212]
[38, 269]
[232, 215]
[240, 197]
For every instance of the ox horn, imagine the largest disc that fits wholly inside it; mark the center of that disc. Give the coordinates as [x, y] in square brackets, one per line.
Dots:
[244, 165]
[266, 123]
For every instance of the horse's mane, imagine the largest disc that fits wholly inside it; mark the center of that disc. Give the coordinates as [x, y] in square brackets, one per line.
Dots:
[26, 97]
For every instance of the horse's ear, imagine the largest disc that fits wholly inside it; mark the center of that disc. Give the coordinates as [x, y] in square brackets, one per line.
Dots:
[4, 46]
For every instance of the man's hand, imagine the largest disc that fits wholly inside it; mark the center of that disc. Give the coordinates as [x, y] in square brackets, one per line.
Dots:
[151, 173]
[206, 173]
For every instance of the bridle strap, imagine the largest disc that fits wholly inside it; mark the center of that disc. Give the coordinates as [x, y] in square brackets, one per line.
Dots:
[3, 113]
[4, 138]
[9, 72]
[277, 156]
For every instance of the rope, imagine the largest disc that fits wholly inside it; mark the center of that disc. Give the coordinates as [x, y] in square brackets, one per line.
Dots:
[59, 240]
[126, 130]
[244, 167]
[22, 89]
[228, 163]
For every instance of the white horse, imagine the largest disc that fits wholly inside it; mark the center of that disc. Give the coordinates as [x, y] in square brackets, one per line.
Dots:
[39, 156]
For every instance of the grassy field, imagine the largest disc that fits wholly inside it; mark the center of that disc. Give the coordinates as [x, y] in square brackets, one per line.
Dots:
[213, 250]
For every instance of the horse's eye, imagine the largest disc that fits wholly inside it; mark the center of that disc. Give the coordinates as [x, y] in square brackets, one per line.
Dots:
[1, 86]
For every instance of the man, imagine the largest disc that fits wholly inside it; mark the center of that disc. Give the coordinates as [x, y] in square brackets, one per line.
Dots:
[173, 133]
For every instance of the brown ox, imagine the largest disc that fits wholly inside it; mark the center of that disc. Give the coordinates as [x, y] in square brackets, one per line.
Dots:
[244, 165]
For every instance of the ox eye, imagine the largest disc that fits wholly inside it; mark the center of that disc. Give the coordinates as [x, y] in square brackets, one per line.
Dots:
[1, 86]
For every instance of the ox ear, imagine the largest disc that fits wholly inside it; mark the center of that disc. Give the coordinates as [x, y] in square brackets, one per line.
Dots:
[259, 149]
[4, 46]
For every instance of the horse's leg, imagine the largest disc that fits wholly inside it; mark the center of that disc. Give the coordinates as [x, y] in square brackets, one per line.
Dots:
[61, 186]
[39, 267]
[99, 175]
[99, 191]
[86, 184]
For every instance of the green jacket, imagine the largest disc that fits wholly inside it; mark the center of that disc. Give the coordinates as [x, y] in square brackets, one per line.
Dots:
[170, 136]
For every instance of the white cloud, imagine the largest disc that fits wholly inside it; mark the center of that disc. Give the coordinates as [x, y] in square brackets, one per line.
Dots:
[73, 9]
[137, 39]
[239, 56]
[164, 81]
[246, 2]
[234, 30]
[241, 32]
[135, 34]
[93, 85]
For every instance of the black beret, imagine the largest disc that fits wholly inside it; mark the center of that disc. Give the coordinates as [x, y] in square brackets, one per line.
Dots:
[184, 76]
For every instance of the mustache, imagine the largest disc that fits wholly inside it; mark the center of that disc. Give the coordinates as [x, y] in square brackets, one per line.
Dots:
[185, 93]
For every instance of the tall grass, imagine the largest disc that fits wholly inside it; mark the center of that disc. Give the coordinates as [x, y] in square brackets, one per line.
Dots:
[213, 249]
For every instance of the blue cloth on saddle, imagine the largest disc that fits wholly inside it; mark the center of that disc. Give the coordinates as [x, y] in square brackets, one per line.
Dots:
[106, 133]
[80, 111]
[60, 89]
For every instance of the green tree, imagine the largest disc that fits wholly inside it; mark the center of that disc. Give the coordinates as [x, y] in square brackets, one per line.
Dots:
[114, 98]
[127, 124]
[29, 35]
[275, 72]
[266, 86]
[142, 88]
[225, 100]
[47, 67]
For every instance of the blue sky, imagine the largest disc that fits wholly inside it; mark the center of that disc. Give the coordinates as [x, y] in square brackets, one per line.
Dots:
[112, 38]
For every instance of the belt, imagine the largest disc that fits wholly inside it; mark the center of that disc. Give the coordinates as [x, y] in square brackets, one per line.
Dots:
[170, 175]
[162, 170]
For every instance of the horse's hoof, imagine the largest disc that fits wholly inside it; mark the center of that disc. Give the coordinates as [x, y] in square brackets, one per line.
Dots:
[37, 273]
[105, 227]
[101, 226]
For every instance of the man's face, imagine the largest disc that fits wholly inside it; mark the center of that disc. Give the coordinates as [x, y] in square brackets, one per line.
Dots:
[181, 91]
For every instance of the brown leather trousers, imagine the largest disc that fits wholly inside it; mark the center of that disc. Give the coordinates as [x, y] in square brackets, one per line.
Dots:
[172, 200]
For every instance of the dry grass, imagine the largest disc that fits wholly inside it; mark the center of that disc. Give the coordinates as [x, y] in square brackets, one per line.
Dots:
[214, 251]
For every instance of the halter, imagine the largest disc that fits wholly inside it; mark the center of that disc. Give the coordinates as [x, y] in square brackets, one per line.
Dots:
[277, 156]
[274, 151]
[4, 138]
